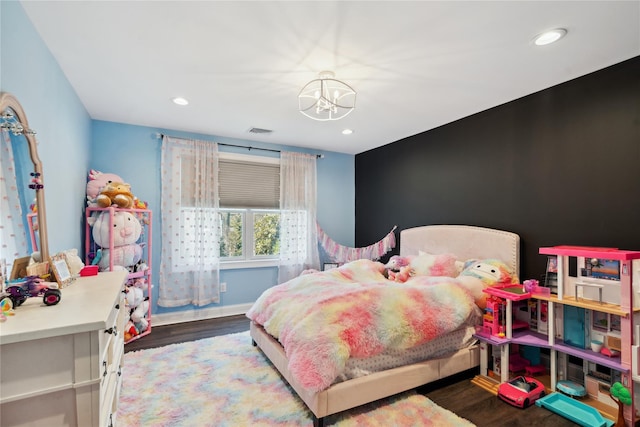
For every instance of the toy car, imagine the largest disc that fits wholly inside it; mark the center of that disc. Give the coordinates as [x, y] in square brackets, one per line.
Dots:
[521, 391]
[33, 286]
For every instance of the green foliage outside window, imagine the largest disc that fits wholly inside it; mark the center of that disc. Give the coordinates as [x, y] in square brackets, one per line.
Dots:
[231, 239]
[266, 232]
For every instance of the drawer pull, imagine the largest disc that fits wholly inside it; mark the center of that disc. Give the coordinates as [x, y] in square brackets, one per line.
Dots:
[104, 365]
[110, 420]
[117, 306]
[112, 330]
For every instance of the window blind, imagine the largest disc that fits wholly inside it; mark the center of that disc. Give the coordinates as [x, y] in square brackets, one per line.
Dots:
[245, 184]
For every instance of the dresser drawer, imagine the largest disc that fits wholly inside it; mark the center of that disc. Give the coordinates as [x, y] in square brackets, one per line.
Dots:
[114, 326]
[110, 389]
[111, 345]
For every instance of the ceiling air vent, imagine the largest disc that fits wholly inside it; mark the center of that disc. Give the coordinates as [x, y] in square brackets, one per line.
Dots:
[260, 131]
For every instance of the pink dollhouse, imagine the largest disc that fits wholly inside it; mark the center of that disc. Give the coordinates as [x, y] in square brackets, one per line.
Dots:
[588, 333]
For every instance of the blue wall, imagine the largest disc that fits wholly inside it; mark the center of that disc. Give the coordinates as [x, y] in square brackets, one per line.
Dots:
[133, 153]
[63, 126]
[71, 143]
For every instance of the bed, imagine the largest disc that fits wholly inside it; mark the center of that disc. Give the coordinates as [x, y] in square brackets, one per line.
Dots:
[465, 242]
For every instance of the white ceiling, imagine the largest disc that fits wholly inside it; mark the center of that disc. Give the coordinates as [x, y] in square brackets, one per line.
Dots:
[415, 65]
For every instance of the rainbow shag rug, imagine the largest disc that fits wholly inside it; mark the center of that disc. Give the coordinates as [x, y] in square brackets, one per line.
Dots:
[225, 381]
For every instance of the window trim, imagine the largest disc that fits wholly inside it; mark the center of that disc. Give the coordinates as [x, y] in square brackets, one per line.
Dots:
[236, 264]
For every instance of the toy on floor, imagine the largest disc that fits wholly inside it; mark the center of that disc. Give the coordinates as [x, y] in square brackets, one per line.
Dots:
[532, 370]
[571, 388]
[574, 410]
[521, 391]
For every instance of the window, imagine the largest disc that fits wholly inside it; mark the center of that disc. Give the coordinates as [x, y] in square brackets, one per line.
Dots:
[249, 208]
[248, 220]
[249, 234]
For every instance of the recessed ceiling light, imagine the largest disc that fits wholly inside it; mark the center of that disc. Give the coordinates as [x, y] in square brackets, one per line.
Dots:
[180, 101]
[549, 36]
[347, 132]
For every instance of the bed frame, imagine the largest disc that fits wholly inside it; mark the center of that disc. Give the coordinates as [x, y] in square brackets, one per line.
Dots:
[466, 242]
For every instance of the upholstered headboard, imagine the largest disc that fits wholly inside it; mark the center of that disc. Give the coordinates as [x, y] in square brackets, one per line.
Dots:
[464, 241]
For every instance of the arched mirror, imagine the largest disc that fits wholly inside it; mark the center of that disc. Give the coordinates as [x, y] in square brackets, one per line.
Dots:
[23, 225]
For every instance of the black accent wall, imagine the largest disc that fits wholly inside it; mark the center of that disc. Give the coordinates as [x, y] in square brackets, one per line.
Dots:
[560, 166]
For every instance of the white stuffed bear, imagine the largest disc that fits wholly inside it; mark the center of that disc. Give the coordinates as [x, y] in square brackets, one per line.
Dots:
[126, 231]
[134, 296]
[138, 316]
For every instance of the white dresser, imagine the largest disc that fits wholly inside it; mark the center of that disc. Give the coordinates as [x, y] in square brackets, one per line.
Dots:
[62, 365]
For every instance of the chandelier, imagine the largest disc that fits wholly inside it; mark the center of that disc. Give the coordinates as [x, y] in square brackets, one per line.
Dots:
[326, 98]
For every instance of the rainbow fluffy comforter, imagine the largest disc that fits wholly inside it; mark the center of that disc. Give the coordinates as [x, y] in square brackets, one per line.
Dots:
[323, 318]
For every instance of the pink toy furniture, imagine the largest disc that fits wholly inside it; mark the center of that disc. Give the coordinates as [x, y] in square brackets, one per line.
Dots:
[518, 363]
[532, 370]
[493, 319]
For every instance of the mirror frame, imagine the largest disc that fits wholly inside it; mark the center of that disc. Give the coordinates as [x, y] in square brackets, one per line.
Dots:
[8, 101]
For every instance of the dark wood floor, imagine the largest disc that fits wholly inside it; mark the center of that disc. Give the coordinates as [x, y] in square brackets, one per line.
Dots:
[189, 331]
[456, 394]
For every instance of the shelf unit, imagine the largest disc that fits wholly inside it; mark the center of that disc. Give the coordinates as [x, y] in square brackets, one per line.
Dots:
[145, 241]
[606, 296]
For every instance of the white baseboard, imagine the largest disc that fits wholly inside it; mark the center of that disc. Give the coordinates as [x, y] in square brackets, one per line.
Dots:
[200, 314]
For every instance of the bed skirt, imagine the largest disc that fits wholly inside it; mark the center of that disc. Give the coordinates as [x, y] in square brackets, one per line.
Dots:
[358, 391]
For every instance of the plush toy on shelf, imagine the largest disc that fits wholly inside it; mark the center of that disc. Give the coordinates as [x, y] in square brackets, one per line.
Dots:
[130, 331]
[115, 193]
[126, 230]
[133, 296]
[139, 316]
[97, 182]
[138, 308]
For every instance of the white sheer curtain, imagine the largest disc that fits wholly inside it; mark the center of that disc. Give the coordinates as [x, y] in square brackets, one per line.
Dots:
[298, 232]
[13, 237]
[190, 260]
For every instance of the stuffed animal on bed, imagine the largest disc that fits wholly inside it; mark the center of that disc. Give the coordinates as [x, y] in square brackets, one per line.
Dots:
[480, 274]
[396, 262]
[424, 264]
[401, 276]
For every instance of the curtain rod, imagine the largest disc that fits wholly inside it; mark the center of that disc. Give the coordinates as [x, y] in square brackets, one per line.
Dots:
[160, 135]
